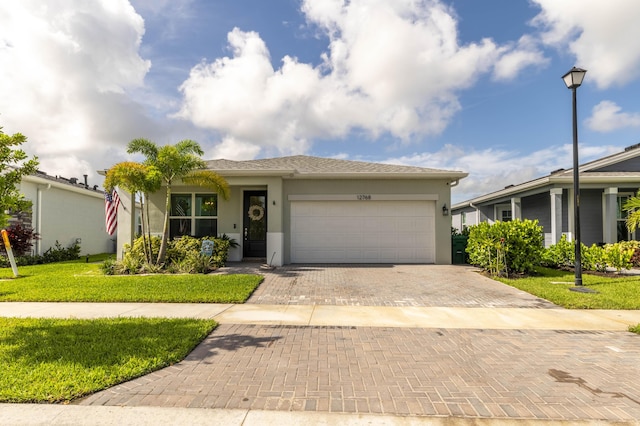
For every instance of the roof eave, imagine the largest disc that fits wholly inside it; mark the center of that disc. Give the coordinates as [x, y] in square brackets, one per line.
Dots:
[380, 175]
[504, 192]
[585, 178]
[268, 172]
[77, 188]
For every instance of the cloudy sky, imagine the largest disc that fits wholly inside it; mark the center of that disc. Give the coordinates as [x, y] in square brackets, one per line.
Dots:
[451, 84]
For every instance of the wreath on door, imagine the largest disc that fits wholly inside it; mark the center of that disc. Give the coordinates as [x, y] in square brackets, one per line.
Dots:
[256, 212]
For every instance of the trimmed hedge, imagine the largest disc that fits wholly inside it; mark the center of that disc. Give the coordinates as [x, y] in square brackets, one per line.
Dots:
[504, 248]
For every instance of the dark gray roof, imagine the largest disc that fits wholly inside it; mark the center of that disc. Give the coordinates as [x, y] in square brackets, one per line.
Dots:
[316, 166]
[589, 173]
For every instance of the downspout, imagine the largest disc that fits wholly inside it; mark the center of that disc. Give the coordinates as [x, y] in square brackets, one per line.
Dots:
[39, 215]
[454, 183]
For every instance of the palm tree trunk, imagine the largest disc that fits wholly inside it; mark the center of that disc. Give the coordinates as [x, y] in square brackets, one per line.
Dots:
[165, 228]
[148, 228]
[147, 254]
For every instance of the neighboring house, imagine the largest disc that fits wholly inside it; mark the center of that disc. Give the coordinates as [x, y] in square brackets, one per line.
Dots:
[303, 209]
[65, 210]
[605, 185]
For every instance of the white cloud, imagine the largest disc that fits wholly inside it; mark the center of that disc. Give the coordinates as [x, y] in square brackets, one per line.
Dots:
[492, 169]
[67, 67]
[391, 67]
[232, 149]
[602, 35]
[525, 53]
[608, 116]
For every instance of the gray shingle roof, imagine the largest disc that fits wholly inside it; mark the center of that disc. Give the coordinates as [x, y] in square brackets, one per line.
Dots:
[308, 165]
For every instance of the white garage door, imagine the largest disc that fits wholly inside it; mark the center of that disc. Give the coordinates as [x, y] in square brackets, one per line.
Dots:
[363, 231]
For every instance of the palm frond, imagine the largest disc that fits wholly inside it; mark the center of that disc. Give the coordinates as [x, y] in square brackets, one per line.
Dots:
[209, 179]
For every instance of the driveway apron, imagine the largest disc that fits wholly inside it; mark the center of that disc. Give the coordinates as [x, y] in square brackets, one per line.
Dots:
[502, 374]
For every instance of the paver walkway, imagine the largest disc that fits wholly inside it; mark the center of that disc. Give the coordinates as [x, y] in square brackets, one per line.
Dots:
[481, 373]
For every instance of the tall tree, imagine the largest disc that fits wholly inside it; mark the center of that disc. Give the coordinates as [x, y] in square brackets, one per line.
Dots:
[138, 179]
[14, 164]
[178, 162]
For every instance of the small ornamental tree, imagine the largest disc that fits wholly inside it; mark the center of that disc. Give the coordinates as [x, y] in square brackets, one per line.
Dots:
[21, 240]
[14, 164]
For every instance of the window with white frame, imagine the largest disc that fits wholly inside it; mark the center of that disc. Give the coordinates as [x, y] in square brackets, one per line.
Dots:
[621, 218]
[503, 213]
[193, 214]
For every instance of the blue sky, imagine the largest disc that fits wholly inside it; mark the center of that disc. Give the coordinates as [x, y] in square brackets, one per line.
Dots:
[450, 84]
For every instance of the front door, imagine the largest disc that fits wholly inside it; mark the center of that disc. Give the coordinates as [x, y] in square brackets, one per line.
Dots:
[255, 224]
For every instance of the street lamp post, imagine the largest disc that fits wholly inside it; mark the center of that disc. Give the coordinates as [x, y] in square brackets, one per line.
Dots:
[573, 80]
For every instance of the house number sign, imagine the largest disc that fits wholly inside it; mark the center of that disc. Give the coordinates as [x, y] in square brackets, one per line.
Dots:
[363, 197]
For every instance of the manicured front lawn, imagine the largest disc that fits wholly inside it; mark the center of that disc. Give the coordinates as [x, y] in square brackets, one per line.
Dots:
[55, 360]
[84, 282]
[613, 292]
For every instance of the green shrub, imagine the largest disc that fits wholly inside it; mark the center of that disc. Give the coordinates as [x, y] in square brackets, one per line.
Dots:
[221, 252]
[592, 258]
[180, 248]
[512, 247]
[108, 267]
[53, 254]
[619, 255]
[183, 256]
[138, 248]
[560, 254]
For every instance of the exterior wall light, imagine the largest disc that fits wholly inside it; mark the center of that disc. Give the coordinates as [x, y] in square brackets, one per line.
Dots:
[445, 210]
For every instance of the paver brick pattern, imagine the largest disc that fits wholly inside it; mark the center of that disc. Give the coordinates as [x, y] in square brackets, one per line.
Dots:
[403, 371]
[506, 374]
[388, 285]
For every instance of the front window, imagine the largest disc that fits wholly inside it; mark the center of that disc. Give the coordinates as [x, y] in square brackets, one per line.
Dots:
[193, 214]
[621, 219]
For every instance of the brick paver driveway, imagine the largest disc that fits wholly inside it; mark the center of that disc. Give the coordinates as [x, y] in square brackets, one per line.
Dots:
[389, 285]
[504, 374]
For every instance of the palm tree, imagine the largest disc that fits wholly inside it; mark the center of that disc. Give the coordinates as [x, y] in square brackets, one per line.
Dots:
[632, 205]
[180, 161]
[140, 179]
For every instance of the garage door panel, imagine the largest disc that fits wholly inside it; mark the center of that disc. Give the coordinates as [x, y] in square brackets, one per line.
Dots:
[363, 232]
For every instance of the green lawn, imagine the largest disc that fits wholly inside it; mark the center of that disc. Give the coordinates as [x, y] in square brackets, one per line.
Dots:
[613, 292]
[84, 282]
[56, 360]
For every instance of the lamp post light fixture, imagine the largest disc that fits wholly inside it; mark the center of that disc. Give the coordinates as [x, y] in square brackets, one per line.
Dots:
[573, 80]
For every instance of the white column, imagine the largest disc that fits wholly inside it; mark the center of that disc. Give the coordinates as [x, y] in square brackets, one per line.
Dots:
[556, 215]
[516, 209]
[610, 215]
[126, 230]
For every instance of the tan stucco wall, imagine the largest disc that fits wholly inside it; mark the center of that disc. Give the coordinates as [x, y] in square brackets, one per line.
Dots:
[438, 188]
[231, 211]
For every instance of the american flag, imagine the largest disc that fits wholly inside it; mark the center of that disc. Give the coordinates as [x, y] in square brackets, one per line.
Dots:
[111, 203]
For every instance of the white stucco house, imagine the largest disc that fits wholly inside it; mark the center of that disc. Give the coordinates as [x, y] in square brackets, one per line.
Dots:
[304, 209]
[66, 210]
[605, 185]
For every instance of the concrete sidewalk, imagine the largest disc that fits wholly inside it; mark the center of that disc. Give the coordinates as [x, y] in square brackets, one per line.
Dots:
[75, 415]
[327, 315]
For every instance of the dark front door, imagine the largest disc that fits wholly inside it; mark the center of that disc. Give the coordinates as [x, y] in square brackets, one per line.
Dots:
[255, 224]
